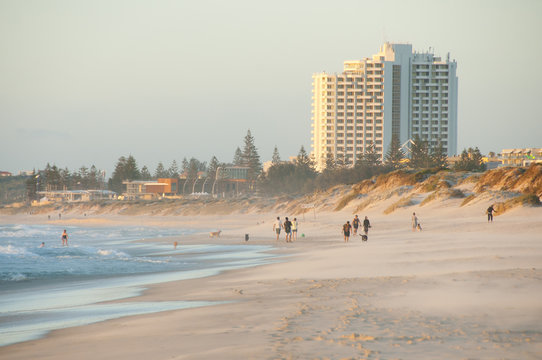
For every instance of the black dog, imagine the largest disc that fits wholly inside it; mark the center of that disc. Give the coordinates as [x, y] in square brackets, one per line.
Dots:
[364, 237]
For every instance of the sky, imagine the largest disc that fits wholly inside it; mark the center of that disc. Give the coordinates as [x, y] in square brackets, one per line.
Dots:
[85, 82]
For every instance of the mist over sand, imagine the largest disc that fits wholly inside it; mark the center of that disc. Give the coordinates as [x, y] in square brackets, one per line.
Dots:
[461, 288]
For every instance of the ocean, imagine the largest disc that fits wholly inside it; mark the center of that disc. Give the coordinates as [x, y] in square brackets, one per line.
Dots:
[54, 286]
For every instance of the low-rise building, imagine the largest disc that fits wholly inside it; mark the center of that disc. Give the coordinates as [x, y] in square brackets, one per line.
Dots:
[75, 195]
[231, 181]
[151, 189]
[521, 157]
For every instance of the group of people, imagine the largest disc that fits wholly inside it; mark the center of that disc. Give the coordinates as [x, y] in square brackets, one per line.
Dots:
[64, 239]
[347, 228]
[290, 228]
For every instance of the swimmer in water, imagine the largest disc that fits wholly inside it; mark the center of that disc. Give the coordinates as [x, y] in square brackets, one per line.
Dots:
[64, 238]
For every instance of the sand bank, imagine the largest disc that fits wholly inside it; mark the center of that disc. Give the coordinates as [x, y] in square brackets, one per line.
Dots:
[462, 288]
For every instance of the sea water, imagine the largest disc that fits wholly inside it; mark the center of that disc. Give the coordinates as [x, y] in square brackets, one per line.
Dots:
[55, 286]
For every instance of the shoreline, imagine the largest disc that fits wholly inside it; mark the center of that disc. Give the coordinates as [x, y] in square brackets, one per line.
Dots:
[329, 299]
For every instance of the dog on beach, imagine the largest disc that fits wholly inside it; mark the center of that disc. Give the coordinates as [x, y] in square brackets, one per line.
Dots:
[215, 233]
[364, 237]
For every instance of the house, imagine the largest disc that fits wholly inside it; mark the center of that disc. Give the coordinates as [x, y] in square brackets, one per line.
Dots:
[521, 157]
[151, 189]
[75, 195]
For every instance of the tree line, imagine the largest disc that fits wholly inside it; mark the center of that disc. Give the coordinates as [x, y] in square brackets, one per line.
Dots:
[53, 178]
[127, 169]
[300, 176]
[283, 177]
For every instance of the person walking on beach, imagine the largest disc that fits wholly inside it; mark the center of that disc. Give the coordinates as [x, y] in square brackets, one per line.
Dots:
[288, 230]
[355, 224]
[64, 238]
[294, 230]
[366, 225]
[414, 222]
[346, 231]
[490, 211]
[277, 226]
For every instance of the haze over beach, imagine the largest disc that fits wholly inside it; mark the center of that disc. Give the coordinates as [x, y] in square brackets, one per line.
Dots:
[461, 287]
[84, 83]
[109, 252]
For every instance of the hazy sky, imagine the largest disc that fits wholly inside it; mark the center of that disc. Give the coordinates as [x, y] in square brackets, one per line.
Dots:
[85, 82]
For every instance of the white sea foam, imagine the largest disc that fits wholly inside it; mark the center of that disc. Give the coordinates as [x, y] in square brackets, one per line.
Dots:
[98, 265]
[12, 250]
[16, 277]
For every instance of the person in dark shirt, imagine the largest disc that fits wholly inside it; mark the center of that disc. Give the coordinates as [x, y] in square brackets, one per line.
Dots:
[366, 225]
[490, 211]
[355, 224]
[346, 231]
[288, 229]
[64, 238]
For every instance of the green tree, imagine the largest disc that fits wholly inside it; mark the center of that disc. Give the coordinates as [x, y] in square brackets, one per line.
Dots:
[370, 159]
[94, 181]
[173, 171]
[131, 169]
[52, 178]
[278, 179]
[276, 157]
[339, 161]
[214, 164]
[330, 161]
[125, 169]
[65, 178]
[184, 166]
[395, 155]
[250, 157]
[238, 157]
[195, 166]
[32, 187]
[303, 159]
[470, 160]
[160, 171]
[145, 173]
[82, 180]
[439, 159]
[420, 158]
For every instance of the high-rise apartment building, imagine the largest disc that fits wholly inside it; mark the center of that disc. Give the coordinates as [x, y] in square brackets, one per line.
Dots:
[395, 93]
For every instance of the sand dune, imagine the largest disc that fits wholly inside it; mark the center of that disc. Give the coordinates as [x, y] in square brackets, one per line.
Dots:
[462, 288]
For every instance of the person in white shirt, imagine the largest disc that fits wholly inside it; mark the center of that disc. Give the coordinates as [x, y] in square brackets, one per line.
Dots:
[294, 229]
[277, 226]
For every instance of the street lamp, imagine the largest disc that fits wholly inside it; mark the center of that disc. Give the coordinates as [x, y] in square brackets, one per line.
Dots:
[216, 178]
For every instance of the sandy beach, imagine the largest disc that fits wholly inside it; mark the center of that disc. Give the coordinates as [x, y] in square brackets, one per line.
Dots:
[460, 289]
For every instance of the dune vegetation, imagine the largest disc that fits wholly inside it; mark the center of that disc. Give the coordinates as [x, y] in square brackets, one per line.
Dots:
[506, 188]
